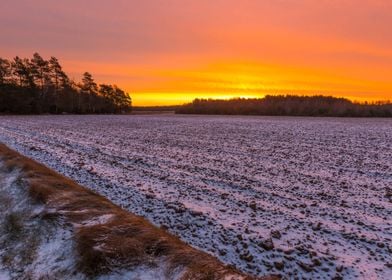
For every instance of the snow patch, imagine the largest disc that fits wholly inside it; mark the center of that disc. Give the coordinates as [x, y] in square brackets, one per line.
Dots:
[297, 196]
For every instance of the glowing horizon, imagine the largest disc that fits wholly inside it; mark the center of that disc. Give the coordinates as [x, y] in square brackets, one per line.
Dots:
[170, 52]
[173, 99]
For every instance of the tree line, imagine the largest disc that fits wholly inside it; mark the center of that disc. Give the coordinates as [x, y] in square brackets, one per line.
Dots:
[288, 105]
[37, 86]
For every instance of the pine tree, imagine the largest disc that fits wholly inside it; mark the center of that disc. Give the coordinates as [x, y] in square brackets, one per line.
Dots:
[58, 76]
[90, 88]
[40, 86]
[40, 71]
[21, 68]
[5, 70]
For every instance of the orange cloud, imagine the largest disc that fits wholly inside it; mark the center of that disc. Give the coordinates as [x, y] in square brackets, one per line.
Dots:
[171, 51]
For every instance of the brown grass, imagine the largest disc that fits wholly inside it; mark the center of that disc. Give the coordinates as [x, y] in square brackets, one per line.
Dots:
[124, 241]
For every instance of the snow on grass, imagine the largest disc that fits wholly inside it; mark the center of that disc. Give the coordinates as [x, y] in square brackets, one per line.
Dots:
[30, 248]
[52, 228]
[99, 220]
[308, 197]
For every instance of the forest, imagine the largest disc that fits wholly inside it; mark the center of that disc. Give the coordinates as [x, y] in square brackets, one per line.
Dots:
[39, 86]
[288, 105]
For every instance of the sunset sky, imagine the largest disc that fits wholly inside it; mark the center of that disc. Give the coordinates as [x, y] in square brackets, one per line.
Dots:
[171, 51]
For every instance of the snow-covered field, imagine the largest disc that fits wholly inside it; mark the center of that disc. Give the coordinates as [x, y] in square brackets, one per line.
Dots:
[306, 197]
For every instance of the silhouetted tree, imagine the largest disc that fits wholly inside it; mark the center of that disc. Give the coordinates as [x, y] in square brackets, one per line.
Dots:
[5, 70]
[59, 80]
[89, 89]
[39, 70]
[41, 86]
[21, 68]
[117, 99]
[289, 105]
[58, 76]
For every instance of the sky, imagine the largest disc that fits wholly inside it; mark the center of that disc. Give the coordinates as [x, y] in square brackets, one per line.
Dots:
[172, 51]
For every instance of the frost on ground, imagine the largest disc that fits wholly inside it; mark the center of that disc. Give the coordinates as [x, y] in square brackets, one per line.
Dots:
[31, 247]
[306, 197]
[53, 228]
[34, 247]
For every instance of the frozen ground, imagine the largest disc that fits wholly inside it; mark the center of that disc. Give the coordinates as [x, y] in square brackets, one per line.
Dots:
[37, 241]
[31, 248]
[305, 197]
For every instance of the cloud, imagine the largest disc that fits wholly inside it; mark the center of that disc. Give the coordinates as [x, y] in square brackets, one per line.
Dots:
[350, 38]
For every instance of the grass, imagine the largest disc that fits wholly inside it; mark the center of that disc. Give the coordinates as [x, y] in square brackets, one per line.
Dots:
[17, 239]
[122, 242]
[13, 225]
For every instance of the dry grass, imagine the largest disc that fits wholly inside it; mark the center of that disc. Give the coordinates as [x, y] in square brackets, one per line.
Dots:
[123, 241]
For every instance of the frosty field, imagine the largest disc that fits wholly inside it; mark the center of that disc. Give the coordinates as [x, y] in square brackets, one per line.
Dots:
[301, 197]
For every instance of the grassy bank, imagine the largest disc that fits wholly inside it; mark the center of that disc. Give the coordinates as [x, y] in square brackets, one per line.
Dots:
[102, 239]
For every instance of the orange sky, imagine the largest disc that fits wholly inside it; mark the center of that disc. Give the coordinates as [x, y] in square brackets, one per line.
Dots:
[171, 51]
